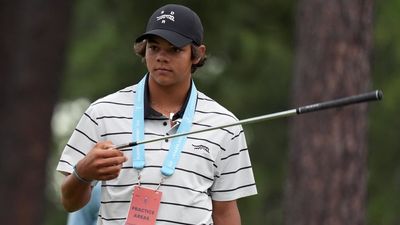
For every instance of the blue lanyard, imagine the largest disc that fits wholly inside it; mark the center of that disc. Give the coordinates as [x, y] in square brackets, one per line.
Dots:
[177, 144]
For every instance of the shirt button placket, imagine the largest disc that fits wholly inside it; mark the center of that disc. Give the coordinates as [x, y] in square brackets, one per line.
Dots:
[165, 143]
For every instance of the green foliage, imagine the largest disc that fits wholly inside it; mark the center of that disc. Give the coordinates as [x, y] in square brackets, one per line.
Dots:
[384, 154]
[250, 46]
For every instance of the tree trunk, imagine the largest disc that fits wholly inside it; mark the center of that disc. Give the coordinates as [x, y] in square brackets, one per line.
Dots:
[328, 149]
[32, 46]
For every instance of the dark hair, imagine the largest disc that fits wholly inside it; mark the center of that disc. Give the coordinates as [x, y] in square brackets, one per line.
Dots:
[140, 50]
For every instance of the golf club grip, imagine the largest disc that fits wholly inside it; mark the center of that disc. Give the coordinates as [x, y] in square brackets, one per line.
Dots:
[370, 96]
[130, 144]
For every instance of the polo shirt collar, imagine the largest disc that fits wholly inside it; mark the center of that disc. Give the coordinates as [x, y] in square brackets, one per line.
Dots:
[150, 113]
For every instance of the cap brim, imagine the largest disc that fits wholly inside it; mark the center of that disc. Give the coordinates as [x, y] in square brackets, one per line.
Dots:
[172, 37]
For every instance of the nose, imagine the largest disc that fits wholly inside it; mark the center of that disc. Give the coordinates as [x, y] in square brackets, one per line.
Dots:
[162, 56]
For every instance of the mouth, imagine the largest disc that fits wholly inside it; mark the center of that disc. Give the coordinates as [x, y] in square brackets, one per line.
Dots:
[162, 70]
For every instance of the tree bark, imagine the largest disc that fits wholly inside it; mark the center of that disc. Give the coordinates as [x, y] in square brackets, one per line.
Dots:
[328, 149]
[32, 46]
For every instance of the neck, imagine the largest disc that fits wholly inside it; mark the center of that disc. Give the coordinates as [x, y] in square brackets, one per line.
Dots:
[167, 100]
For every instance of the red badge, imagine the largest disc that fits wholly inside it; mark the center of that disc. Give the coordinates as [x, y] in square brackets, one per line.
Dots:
[144, 207]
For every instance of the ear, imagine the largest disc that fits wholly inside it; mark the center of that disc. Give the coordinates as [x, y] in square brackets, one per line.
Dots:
[202, 52]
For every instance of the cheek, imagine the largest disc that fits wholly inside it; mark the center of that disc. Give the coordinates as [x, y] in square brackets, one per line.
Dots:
[148, 60]
[185, 66]
[188, 62]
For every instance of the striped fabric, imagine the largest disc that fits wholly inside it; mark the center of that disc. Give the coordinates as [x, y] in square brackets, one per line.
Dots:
[214, 165]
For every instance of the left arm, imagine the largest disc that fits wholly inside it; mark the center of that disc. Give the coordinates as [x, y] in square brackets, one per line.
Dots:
[225, 213]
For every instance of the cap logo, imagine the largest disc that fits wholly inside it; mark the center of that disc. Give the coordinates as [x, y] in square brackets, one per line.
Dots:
[165, 17]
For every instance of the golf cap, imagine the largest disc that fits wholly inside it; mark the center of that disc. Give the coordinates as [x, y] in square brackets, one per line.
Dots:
[177, 24]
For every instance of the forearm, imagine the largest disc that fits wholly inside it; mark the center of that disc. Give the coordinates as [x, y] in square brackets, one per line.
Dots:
[226, 213]
[74, 193]
[103, 162]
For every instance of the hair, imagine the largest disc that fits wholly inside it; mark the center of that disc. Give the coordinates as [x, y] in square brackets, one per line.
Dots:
[140, 50]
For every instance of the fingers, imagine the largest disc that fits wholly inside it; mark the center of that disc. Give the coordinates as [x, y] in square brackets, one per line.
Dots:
[109, 150]
[103, 162]
[110, 163]
[110, 172]
[106, 169]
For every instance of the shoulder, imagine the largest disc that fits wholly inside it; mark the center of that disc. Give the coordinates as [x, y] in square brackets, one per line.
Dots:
[211, 109]
[123, 96]
[120, 97]
[208, 104]
[117, 101]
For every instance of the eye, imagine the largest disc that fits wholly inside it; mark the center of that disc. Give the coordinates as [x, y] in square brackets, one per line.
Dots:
[152, 47]
[176, 49]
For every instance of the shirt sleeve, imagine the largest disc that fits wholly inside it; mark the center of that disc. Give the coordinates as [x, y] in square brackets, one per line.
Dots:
[234, 178]
[82, 140]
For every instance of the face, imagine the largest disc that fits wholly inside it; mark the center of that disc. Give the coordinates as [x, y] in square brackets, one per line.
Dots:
[168, 65]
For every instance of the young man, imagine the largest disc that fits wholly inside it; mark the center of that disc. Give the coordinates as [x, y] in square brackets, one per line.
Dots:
[186, 180]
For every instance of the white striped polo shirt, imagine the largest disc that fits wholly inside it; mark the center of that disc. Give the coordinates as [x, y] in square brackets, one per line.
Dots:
[213, 165]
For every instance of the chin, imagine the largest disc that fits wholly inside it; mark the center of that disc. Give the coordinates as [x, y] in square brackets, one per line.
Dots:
[163, 81]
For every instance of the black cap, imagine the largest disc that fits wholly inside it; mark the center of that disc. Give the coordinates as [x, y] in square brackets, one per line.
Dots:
[177, 24]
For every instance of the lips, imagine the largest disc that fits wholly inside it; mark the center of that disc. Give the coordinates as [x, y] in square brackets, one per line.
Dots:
[163, 69]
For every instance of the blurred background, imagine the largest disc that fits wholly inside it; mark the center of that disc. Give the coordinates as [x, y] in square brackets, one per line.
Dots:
[59, 56]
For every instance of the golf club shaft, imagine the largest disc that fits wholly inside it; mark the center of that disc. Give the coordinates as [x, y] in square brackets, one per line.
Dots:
[370, 96]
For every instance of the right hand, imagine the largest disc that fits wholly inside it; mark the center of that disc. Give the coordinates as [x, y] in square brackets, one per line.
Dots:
[103, 162]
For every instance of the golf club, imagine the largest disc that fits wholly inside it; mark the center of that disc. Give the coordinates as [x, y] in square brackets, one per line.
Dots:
[365, 97]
